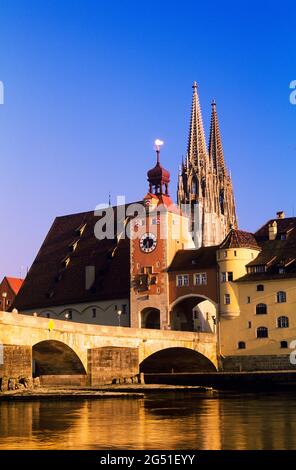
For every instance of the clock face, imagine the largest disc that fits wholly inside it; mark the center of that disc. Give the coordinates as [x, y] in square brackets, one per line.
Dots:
[148, 242]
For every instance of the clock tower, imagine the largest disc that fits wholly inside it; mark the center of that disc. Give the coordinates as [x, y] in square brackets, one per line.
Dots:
[157, 233]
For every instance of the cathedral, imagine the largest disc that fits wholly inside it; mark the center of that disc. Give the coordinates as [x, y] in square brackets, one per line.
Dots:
[183, 267]
[204, 184]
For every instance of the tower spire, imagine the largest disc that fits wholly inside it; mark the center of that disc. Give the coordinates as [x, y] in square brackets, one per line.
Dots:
[216, 154]
[197, 149]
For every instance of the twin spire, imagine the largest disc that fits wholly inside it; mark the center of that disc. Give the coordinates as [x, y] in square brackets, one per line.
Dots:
[197, 153]
[197, 149]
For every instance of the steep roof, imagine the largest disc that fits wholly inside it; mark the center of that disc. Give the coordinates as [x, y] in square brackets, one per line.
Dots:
[197, 149]
[215, 143]
[15, 283]
[58, 274]
[239, 239]
[277, 256]
[201, 258]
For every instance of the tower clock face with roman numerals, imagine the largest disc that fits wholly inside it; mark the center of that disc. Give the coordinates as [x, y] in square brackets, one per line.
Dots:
[148, 242]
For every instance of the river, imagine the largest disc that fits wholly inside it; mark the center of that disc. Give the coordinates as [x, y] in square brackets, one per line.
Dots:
[159, 421]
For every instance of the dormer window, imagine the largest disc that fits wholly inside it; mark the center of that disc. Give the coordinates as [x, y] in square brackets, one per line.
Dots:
[79, 231]
[66, 261]
[73, 246]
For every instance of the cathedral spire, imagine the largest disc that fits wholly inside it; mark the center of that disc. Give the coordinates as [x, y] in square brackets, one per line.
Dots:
[215, 144]
[197, 149]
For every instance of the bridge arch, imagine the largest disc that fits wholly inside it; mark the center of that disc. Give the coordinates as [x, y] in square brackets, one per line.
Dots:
[51, 357]
[177, 359]
[193, 312]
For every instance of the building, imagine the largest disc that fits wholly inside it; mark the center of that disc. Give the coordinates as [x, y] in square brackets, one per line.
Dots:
[257, 296]
[205, 185]
[137, 265]
[9, 288]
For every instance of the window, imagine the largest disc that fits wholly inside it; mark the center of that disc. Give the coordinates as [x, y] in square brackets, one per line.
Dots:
[185, 280]
[262, 332]
[281, 297]
[225, 254]
[94, 312]
[148, 270]
[223, 277]
[282, 271]
[283, 236]
[249, 324]
[8, 302]
[260, 287]
[283, 322]
[230, 276]
[248, 300]
[227, 299]
[182, 280]
[235, 253]
[261, 309]
[241, 345]
[200, 279]
[48, 315]
[284, 344]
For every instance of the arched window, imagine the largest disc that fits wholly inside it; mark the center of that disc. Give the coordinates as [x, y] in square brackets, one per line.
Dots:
[283, 322]
[260, 287]
[194, 186]
[281, 297]
[261, 309]
[284, 344]
[262, 332]
[241, 345]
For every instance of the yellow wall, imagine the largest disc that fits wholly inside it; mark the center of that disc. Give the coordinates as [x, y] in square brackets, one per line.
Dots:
[237, 329]
[232, 260]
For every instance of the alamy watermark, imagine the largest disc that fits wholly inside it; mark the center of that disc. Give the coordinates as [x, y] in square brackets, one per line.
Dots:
[293, 93]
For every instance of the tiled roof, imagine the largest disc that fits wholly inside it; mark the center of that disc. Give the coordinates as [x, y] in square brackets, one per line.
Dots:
[239, 239]
[275, 255]
[200, 258]
[15, 283]
[50, 282]
[285, 225]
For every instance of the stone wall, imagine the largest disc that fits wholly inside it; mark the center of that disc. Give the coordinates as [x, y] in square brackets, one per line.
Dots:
[63, 380]
[108, 363]
[17, 360]
[255, 363]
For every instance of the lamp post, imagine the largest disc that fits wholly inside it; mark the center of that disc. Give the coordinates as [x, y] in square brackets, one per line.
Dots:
[4, 295]
[119, 312]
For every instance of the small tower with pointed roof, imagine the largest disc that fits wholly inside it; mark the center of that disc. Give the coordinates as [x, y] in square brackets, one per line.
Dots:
[204, 184]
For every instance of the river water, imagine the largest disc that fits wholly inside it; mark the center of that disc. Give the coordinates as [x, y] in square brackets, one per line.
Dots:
[163, 421]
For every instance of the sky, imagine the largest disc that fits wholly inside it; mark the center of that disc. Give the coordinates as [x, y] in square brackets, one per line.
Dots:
[88, 86]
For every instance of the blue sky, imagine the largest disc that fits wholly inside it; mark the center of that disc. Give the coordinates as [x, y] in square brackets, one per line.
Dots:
[90, 84]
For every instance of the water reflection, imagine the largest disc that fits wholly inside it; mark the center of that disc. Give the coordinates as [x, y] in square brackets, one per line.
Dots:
[165, 421]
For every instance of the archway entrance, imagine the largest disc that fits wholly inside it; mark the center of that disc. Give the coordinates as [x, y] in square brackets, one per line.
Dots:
[55, 358]
[193, 313]
[176, 360]
[150, 318]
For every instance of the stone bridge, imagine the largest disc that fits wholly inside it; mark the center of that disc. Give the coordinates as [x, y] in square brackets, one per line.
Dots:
[90, 354]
